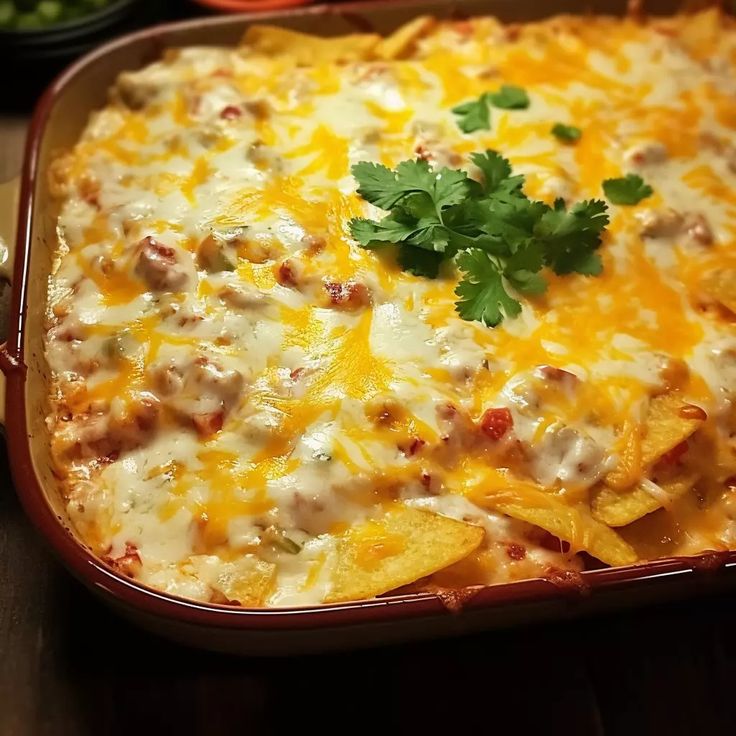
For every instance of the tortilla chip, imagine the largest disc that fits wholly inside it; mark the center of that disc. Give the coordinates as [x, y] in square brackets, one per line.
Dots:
[403, 546]
[720, 285]
[619, 508]
[703, 30]
[573, 524]
[628, 470]
[670, 420]
[401, 42]
[247, 582]
[307, 50]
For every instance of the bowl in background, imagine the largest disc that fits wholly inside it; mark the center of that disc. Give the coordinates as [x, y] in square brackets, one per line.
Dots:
[33, 56]
[245, 6]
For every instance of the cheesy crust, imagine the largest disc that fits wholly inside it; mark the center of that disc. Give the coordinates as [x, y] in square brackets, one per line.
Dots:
[248, 407]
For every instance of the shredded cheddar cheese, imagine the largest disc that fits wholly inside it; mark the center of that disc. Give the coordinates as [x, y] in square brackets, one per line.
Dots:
[249, 408]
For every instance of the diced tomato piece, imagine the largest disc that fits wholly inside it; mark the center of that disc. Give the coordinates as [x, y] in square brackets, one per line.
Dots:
[421, 151]
[285, 274]
[413, 447]
[496, 422]
[515, 551]
[207, 424]
[231, 112]
[690, 411]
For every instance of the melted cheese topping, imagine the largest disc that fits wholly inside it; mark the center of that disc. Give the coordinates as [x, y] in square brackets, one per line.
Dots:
[234, 378]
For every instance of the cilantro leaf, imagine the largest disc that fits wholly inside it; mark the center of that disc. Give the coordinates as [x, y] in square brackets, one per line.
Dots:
[513, 221]
[387, 189]
[414, 176]
[372, 234]
[482, 293]
[377, 184]
[430, 235]
[418, 261]
[529, 257]
[451, 186]
[474, 114]
[522, 269]
[566, 133]
[496, 172]
[571, 236]
[510, 97]
[629, 189]
[527, 282]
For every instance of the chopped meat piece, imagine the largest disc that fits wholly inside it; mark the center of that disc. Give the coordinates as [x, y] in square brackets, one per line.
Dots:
[135, 90]
[568, 455]
[669, 223]
[241, 296]
[208, 424]
[201, 393]
[164, 268]
[645, 154]
[660, 223]
[124, 426]
[167, 380]
[696, 227]
[259, 109]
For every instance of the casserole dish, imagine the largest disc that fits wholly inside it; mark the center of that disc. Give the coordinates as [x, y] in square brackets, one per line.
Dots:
[57, 123]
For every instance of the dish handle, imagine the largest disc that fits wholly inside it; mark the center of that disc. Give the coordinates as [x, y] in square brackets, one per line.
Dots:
[9, 199]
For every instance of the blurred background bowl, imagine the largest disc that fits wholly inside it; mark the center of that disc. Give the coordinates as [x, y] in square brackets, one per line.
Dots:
[248, 6]
[32, 56]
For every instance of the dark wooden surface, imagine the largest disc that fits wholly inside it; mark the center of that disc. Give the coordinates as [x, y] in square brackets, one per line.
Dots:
[69, 667]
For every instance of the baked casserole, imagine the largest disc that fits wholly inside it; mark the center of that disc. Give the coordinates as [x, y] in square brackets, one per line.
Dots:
[331, 318]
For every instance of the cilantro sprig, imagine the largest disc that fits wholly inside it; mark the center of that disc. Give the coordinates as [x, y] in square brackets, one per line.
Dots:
[566, 133]
[476, 114]
[499, 239]
[510, 97]
[629, 189]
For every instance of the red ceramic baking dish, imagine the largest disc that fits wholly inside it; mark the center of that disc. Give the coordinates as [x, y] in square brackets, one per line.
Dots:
[57, 122]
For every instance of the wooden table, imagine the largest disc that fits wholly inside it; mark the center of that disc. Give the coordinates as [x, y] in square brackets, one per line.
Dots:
[69, 667]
